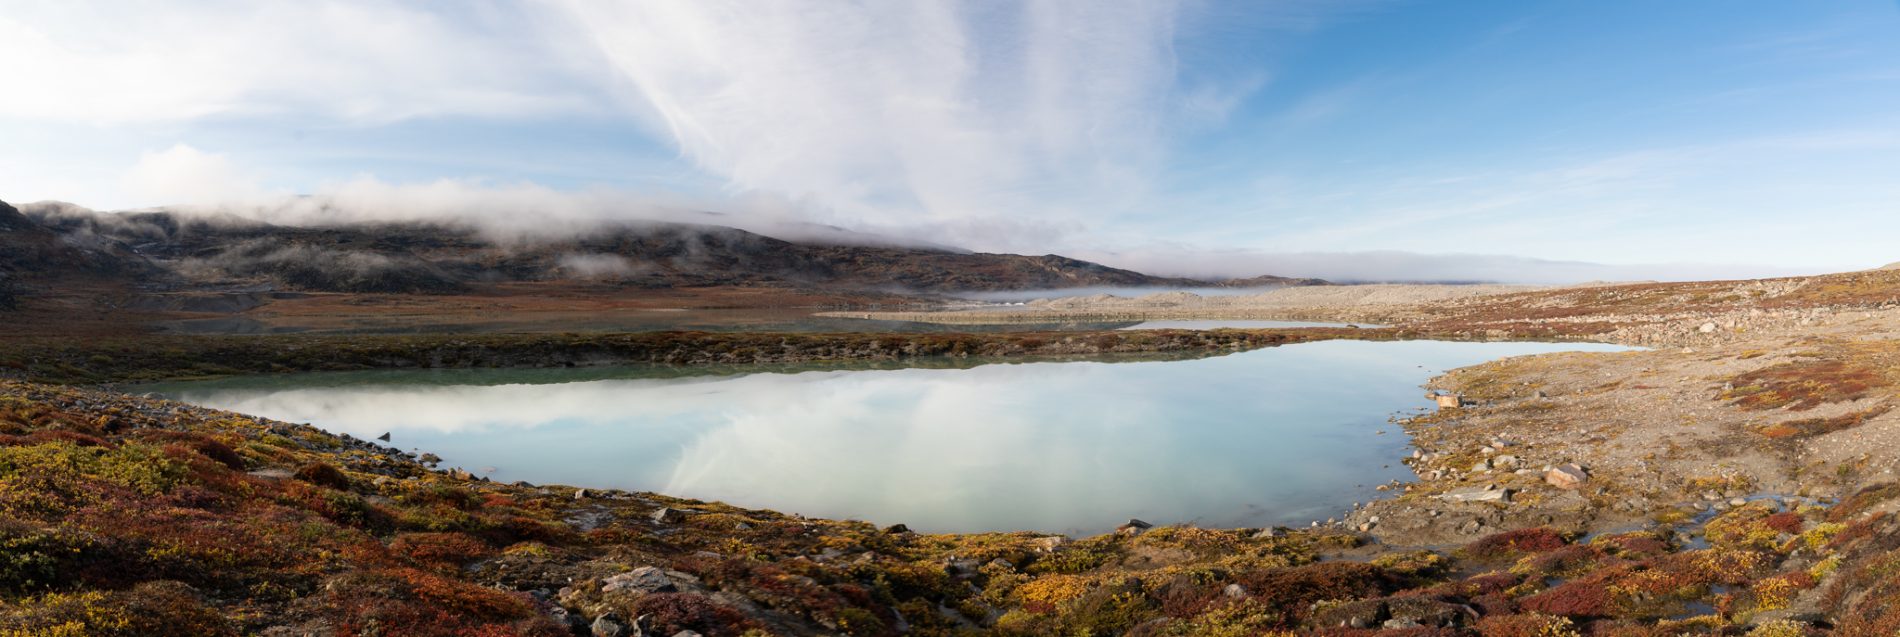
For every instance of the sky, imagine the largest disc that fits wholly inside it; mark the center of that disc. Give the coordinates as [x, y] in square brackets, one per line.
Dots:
[1363, 139]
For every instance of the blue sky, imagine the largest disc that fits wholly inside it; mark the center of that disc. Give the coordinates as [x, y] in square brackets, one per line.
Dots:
[1343, 139]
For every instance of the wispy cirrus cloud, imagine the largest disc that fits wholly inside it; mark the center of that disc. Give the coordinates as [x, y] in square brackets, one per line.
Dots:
[935, 111]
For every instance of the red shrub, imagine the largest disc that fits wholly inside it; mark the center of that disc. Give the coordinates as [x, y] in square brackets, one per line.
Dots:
[1572, 599]
[1291, 592]
[1520, 626]
[1784, 522]
[54, 435]
[1509, 543]
[171, 609]
[1490, 583]
[1635, 545]
[323, 474]
[442, 550]
[1568, 559]
[668, 613]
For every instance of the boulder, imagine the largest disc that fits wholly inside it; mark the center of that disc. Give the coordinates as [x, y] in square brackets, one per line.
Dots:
[1476, 494]
[607, 626]
[1367, 613]
[665, 515]
[1133, 527]
[646, 579]
[1569, 476]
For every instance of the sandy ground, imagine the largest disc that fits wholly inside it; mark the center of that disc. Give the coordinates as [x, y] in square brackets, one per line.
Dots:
[1342, 303]
[1784, 411]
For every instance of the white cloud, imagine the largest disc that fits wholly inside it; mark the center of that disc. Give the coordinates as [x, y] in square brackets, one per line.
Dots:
[195, 181]
[183, 173]
[939, 110]
[351, 60]
[1396, 265]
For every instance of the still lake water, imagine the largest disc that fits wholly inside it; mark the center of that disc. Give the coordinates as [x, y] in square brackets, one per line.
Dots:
[1244, 324]
[1280, 435]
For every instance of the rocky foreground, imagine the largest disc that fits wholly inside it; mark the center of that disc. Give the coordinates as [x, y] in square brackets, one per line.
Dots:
[129, 516]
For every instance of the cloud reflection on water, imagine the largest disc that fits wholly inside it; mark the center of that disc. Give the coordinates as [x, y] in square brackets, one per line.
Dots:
[1271, 436]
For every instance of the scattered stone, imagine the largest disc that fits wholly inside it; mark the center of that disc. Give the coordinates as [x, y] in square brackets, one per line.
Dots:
[384, 437]
[1569, 476]
[1133, 527]
[664, 515]
[1360, 614]
[896, 529]
[1234, 591]
[1735, 502]
[1706, 328]
[1476, 494]
[608, 626]
[646, 579]
[1049, 543]
[1274, 532]
[961, 567]
[580, 494]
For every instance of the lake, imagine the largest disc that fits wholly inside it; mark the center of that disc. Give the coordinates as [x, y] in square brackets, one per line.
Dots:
[1280, 435]
[1244, 324]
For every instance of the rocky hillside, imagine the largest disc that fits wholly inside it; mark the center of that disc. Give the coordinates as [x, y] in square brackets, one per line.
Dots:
[436, 258]
[29, 249]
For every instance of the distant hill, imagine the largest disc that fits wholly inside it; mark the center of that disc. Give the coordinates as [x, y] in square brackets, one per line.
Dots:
[30, 250]
[1268, 280]
[170, 249]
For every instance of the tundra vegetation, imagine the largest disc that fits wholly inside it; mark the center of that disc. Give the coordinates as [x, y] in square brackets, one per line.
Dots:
[130, 516]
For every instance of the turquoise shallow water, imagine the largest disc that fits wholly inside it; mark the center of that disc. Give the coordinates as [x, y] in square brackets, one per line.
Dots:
[1274, 436]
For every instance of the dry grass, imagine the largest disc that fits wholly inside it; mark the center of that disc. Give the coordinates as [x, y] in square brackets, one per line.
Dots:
[1803, 385]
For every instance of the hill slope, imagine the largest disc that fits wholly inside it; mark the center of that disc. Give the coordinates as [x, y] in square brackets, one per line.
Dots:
[436, 258]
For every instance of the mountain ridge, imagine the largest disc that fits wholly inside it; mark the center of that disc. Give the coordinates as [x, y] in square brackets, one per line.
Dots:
[168, 250]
